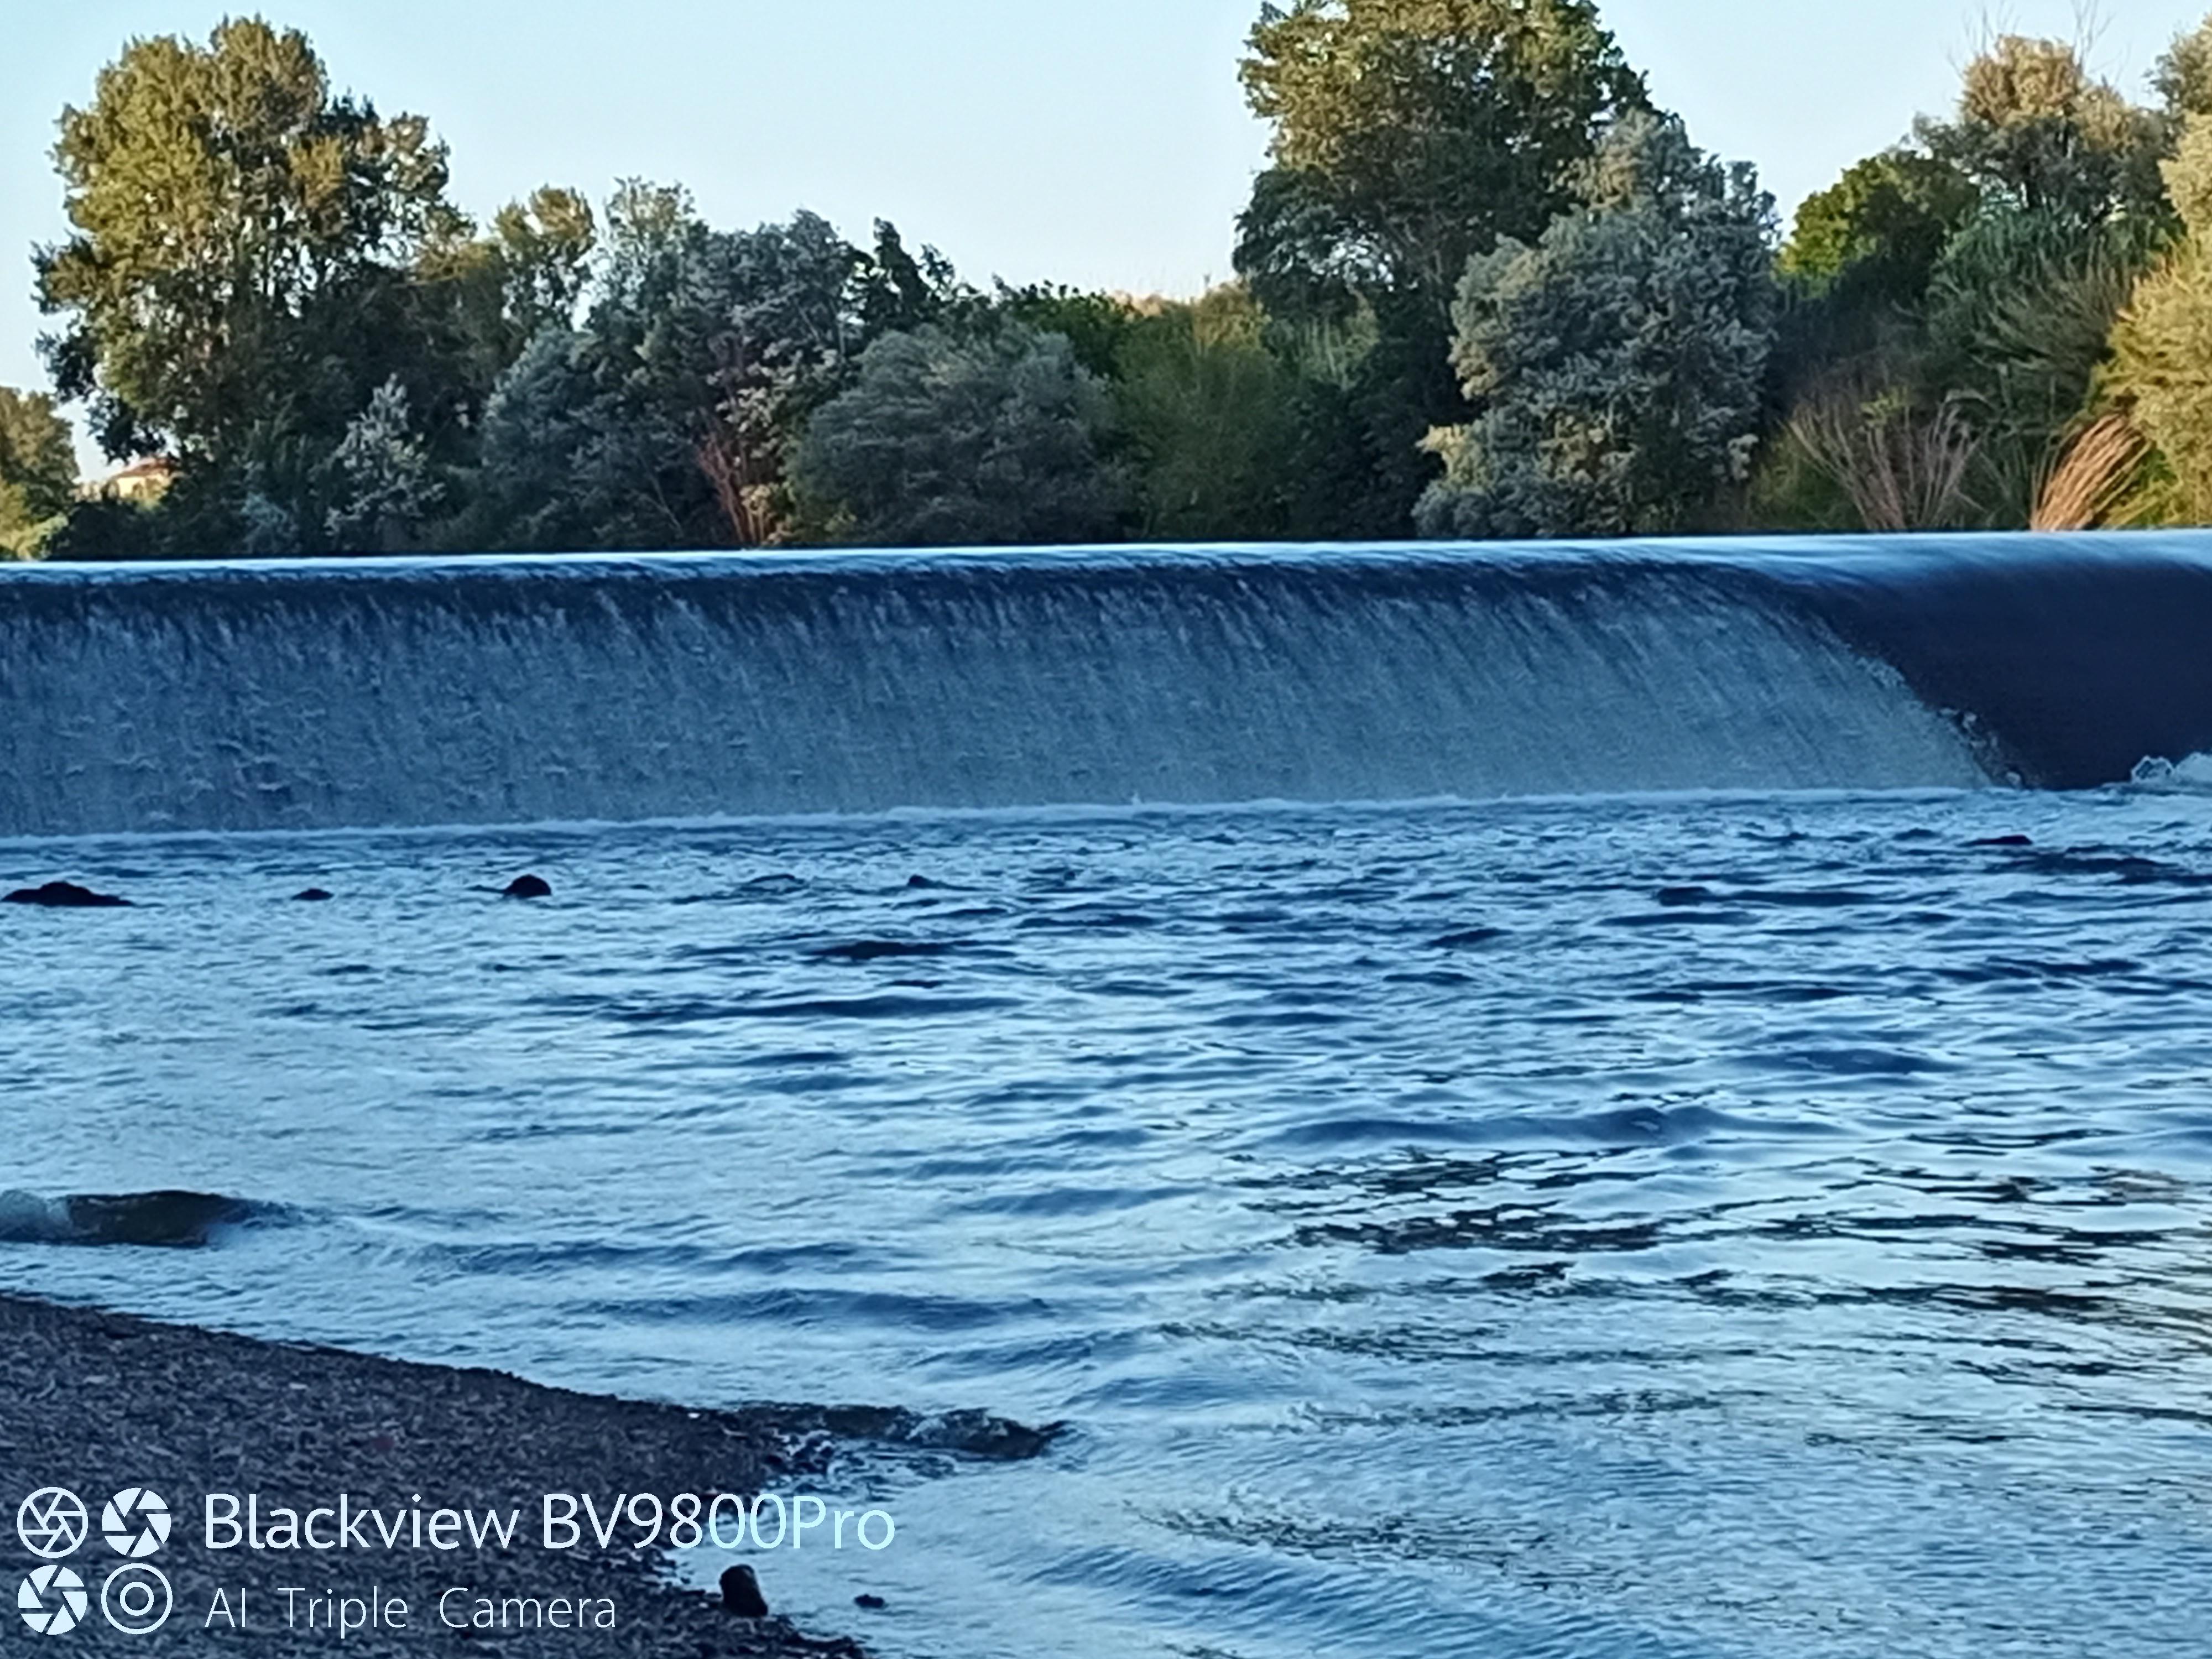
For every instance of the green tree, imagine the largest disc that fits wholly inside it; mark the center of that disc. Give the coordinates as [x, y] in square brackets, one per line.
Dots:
[2161, 374]
[994, 437]
[2035, 131]
[2183, 78]
[1407, 136]
[1615, 365]
[1881, 228]
[484, 296]
[666, 417]
[2020, 316]
[1850, 344]
[38, 470]
[1211, 415]
[386, 486]
[1097, 325]
[1410, 134]
[237, 231]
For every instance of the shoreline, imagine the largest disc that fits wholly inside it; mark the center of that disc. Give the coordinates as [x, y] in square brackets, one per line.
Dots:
[97, 1402]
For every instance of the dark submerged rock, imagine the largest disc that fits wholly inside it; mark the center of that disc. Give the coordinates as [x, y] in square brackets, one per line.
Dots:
[741, 1593]
[169, 1220]
[875, 950]
[873, 1603]
[310, 896]
[528, 887]
[2002, 841]
[918, 881]
[64, 896]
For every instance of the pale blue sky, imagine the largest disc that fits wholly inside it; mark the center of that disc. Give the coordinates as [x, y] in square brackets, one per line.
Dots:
[1104, 144]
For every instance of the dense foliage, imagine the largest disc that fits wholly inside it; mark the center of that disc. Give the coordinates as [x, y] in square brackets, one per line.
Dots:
[1616, 366]
[241, 237]
[665, 416]
[2161, 371]
[37, 471]
[1410, 134]
[1408, 137]
[1950, 350]
[1484, 289]
[965, 437]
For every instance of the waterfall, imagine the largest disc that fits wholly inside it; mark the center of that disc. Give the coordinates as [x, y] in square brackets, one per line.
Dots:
[259, 696]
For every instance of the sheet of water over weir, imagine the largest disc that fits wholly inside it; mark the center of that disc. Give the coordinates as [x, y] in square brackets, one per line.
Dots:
[258, 696]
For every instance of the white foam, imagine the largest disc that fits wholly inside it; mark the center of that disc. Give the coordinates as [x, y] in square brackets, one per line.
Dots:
[2190, 775]
[28, 1218]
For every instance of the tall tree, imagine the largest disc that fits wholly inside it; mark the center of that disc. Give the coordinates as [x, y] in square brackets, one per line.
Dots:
[1615, 364]
[2183, 78]
[666, 417]
[1856, 273]
[1409, 136]
[238, 231]
[1879, 228]
[483, 295]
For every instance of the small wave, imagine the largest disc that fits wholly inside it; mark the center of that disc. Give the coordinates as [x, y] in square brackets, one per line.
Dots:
[1863, 1061]
[677, 1014]
[2190, 775]
[169, 1220]
[1624, 1126]
[1465, 938]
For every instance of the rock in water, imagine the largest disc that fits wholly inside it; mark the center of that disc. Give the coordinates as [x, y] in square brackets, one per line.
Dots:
[873, 1603]
[874, 950]
[64, 896]
[311, 895]
[174, 1220]
[741, 1593]
[529, 887]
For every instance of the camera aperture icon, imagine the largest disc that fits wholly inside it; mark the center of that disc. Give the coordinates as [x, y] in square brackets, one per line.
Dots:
[52, 1522]
[136, 1521]
[52, 1600]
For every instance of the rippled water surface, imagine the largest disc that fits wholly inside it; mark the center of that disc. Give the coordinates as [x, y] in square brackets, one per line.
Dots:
[1771, 1228]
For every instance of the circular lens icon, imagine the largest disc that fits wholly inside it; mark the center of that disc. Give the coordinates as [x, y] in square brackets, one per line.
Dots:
[51, 1600]
[135, 1522]
[52, 1522]
[137, 1599]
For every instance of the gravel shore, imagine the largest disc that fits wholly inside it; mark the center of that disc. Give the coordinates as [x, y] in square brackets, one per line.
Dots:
[98, 1402]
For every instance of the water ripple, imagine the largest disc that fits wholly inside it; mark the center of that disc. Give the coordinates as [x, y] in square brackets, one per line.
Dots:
[1728, 1228]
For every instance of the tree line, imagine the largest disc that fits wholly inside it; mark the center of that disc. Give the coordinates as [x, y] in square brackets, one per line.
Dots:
[1484, 288]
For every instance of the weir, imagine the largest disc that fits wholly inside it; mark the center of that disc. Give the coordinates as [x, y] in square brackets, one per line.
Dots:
[261, 695]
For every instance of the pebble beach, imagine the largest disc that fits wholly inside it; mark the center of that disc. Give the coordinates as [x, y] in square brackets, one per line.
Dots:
[101, 1403]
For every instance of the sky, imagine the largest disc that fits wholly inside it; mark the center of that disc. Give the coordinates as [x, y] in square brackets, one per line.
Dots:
[1105, 144]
